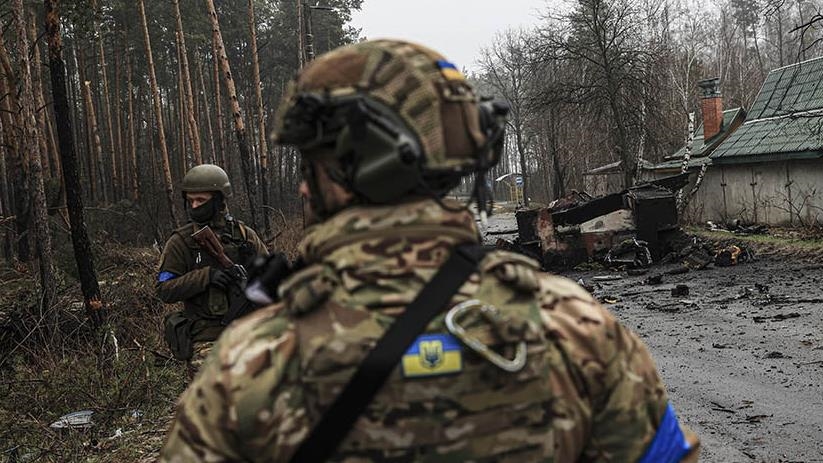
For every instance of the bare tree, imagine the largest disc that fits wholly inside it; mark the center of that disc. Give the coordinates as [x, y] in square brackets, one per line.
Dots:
[193, 128]
[239, 125]
[602, 42]
[261, 116]
[158, 112]
[30, 149]
[74, 198]
[505, 67]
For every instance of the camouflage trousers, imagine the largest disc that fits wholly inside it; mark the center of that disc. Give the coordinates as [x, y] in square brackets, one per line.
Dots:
[201, 352]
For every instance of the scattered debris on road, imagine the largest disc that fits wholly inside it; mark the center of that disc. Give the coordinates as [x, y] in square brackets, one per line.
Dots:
[680, 291]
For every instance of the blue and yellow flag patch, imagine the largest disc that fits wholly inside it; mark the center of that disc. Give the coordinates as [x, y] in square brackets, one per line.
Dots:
[450, 71]
[433, 355]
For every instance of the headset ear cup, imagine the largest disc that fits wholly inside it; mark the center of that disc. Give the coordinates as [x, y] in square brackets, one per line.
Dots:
[386, 164]
[493, 115]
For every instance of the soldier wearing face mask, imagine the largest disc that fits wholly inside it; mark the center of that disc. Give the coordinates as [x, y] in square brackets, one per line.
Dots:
[191, 275]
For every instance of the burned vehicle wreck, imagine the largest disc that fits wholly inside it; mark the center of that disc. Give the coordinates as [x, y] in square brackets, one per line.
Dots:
[633, 228]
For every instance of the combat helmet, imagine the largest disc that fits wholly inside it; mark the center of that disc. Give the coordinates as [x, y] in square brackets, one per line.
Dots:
[206, 177]
[398, 117]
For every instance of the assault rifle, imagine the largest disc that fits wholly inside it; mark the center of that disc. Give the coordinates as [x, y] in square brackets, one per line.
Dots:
[239, 305]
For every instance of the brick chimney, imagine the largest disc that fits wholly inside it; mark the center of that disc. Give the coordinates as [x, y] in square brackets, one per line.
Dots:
[711, 105]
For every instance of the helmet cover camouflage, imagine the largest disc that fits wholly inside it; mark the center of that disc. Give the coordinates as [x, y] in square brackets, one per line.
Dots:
[206, 177]
[419, 85]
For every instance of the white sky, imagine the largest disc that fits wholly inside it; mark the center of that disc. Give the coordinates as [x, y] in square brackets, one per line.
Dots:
[456, 28]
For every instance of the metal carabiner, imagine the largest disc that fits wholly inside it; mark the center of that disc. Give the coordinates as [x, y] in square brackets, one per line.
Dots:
[490, 313]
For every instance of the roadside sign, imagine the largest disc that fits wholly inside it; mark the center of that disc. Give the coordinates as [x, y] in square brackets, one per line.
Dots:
[518, 180]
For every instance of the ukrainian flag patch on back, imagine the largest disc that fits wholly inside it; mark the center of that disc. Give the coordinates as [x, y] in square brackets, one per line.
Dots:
[433, 355]
[450, 71]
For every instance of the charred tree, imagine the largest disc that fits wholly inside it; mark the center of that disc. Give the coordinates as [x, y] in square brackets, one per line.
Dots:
[74, 191]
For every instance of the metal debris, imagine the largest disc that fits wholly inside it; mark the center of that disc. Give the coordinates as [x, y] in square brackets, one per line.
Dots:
[578, 229]
[74, 420]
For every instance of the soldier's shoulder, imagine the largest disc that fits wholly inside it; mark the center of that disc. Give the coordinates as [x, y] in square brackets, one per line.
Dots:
[517, 271]
[182, 235]
[183, 230]
[579, 325]
[266, 331]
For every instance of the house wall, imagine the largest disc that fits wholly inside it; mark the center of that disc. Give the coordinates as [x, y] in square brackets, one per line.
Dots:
[776, 193]
[603, 184]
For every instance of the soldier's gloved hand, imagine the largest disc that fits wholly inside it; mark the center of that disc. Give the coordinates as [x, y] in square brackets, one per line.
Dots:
[219, 278]
[238, 272]
[266, 275]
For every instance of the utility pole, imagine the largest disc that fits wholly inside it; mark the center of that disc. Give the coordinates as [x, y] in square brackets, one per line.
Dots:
[305, 30]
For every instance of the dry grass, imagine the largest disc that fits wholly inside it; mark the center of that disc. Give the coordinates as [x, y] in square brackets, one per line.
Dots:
[784, 242]
[130, 388]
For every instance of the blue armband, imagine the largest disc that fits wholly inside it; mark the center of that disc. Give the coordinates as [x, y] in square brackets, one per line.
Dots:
[165, 276]
[669, 444]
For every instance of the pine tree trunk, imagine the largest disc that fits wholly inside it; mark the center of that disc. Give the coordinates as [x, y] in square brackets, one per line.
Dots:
[29, 147]
[135, 189]
[164, 151]
[5, 196]
[74, 198]
[95, 193]
[218, 102]
[207, 111]
[117, 143]
[261, 118]
[106, 104]
[194, 129]
[239, 125]
[47, 128]
[20, 189]
[40, 108]
[94, 134]
[186, 161]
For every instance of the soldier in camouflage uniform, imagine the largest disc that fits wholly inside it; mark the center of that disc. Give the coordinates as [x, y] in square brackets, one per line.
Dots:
[588, 390]
[190, 275]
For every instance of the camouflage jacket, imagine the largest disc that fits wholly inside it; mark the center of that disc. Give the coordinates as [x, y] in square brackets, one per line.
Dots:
[183, 272]
[589, 390]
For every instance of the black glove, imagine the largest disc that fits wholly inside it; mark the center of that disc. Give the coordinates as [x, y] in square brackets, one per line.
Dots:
[220, 278]
[266, 275]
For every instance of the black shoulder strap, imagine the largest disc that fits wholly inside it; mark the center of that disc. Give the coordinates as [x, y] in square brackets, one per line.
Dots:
[336, 423]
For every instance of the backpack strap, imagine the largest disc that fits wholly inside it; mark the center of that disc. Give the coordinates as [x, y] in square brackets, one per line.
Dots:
[379, 363]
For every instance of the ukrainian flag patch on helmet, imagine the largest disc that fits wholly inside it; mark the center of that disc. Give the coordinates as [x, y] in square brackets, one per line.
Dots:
[450, 71]
[433, 355]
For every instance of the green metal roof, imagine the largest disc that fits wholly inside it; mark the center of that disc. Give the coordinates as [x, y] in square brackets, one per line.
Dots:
[699, 145]
[700, 149]
[786, 120]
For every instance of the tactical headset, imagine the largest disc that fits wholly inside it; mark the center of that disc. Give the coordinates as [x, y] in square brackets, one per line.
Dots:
[381, 157]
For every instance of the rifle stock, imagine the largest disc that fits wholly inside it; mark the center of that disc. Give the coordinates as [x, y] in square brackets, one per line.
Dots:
[207, 240]
[239, 305]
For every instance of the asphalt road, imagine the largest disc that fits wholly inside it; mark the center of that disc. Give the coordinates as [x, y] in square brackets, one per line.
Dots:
[741, 354]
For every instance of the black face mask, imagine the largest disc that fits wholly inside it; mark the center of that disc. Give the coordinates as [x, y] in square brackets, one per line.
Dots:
[206, 211]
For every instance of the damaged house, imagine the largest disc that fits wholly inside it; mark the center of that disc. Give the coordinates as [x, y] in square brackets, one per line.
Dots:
[770, 169]
[715, 127]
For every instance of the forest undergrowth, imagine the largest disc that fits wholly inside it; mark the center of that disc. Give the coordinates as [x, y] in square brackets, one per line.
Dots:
[123, 372]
